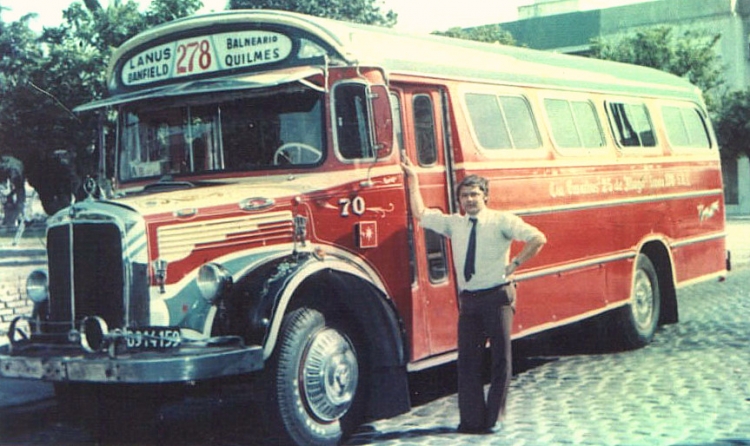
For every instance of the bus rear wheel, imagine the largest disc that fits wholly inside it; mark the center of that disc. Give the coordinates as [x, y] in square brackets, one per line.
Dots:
[315, 378]
[639, 320]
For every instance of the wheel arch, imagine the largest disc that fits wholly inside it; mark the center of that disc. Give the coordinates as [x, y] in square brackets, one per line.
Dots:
[661, 257]
[382, 333]
[340, 290]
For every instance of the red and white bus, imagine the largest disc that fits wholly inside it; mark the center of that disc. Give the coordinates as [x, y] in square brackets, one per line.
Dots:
[259, 218]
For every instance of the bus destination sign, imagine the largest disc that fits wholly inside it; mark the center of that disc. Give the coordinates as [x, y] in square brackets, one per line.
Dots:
[205, 54]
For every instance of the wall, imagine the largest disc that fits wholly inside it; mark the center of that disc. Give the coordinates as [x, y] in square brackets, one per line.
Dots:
[16, 263]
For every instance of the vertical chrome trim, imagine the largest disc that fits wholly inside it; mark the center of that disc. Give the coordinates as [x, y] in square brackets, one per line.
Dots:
[450, 161]
[219, 139]
[127, 268]
[71, 271]
[190, 137]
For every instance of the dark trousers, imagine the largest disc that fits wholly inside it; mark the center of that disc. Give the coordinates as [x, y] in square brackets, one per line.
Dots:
[484, 315]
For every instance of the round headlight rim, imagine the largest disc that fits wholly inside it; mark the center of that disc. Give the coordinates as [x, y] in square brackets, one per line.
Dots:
[213, 280]
[88, 338]
[37, 286]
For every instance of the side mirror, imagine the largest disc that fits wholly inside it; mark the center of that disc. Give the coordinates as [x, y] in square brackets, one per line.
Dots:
[381, 119]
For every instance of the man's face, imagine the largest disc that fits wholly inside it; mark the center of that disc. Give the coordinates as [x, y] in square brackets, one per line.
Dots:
[472, 199]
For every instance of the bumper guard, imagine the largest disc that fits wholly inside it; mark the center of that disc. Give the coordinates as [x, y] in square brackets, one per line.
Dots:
[186, 363]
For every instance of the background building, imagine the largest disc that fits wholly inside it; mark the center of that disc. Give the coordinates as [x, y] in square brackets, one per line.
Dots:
[568, 26]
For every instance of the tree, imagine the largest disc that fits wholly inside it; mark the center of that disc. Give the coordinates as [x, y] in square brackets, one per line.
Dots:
[49, 74]
[486, 33]
[691, 55]
[20, 53]
[732, 125]
[359, 11]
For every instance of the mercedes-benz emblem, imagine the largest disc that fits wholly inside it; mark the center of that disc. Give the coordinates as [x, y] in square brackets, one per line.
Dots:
[89, 186]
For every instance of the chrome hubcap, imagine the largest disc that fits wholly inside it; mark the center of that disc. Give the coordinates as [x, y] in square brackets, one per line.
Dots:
[329, 375]
[643, 300]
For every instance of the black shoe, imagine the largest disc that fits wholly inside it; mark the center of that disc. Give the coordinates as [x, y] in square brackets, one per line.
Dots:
[474, 430]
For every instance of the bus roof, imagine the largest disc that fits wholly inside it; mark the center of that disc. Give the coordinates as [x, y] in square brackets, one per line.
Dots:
[433, 56]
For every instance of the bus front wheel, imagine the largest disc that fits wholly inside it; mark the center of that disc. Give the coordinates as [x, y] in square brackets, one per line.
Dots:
[315, 377]
[640, 318]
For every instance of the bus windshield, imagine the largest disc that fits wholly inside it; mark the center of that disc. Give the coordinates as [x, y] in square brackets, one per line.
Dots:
[251, 132]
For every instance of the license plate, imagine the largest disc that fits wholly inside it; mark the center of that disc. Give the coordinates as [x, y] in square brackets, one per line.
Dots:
[153, 338]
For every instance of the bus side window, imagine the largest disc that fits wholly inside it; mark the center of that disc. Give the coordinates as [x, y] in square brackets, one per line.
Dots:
[685, 127]
[520, 122]
[562, 123]
[574, 124]
[436, 261]
[351, 121]
[424, 130]
[632, 125]
[398, 132]
[426, 147]
[488, 121]
[502, 122]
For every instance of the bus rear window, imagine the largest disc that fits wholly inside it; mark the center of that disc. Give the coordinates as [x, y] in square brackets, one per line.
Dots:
[685, 127]
[502, 122]
[631, 124]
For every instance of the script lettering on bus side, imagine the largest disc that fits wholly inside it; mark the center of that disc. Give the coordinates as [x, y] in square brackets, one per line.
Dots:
[612, 185]
[205, 54]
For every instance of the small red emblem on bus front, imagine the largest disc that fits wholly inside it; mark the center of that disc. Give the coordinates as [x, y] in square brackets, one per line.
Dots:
[367, 234]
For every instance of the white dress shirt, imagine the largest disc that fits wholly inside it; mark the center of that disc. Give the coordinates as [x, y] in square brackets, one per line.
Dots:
[495, 232]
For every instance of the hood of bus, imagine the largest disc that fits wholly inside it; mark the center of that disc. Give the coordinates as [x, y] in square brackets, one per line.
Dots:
[184, 199]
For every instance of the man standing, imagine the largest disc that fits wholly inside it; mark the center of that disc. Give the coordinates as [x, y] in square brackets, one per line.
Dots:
[481, 240]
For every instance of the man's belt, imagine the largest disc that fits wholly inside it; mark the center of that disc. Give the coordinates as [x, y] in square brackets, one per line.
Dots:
[477, 293]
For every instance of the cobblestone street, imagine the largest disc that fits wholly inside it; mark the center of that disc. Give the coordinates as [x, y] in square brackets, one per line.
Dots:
[691, 386]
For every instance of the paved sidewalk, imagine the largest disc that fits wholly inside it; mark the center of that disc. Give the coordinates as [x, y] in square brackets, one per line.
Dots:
[738, 240]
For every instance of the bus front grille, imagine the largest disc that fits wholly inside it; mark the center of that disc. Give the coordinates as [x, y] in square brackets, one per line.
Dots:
[86, 276]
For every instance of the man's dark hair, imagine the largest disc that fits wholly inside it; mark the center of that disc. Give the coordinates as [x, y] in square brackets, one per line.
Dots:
[475, 180]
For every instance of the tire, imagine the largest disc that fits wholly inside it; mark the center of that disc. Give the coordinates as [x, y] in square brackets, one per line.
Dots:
[639, 320]
[316, 380]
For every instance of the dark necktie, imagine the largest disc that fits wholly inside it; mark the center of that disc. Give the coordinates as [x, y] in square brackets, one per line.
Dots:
[471, 250]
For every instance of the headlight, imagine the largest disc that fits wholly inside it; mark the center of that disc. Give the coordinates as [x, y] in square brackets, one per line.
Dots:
[213, 280]
[36, 286]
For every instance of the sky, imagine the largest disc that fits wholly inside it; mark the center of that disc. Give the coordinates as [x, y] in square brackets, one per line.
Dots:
[421, 16]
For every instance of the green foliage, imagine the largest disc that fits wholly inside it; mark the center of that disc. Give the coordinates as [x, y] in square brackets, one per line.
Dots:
[486, 33]
[691, 55]
[358, 11]
[732, 125]
[20, 51]
[47, 75]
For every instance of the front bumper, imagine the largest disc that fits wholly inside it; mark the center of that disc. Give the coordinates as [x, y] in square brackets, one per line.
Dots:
[187, 363]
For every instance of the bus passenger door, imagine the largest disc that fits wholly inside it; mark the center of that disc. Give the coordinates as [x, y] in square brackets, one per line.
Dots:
[435, 309]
